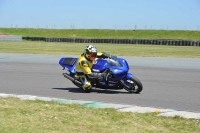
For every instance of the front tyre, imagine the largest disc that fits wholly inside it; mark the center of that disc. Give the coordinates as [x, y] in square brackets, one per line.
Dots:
[133, 85]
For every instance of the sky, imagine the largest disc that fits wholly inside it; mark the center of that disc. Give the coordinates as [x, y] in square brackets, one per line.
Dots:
[101, 14]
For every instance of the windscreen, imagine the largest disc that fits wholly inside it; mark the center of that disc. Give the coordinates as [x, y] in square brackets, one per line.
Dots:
[114, 62]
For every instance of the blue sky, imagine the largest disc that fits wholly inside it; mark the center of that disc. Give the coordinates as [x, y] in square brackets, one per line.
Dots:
[104, 14]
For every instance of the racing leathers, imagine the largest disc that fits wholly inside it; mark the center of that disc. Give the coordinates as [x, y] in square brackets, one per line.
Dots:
[83, 69]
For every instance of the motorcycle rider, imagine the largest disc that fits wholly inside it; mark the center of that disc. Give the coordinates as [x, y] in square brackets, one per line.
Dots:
[85, 63]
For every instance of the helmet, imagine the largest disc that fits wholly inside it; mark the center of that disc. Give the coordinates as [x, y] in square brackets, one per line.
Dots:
[90, 52]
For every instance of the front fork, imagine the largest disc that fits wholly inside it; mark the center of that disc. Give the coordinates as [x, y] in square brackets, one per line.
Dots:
[128, 76]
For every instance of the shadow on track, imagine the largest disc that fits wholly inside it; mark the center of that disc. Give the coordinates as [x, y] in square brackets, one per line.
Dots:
[94, 90]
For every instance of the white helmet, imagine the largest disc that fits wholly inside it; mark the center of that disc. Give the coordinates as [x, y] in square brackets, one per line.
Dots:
[90, 52]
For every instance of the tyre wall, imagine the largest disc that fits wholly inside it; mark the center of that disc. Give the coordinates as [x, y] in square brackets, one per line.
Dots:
[119, 41]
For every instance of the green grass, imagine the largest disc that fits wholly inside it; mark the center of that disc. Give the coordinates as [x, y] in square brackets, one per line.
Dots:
[30, 47]
[19, 116]
[91, 33]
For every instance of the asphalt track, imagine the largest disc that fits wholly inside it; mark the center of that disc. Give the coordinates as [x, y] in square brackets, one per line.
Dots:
[168, 83]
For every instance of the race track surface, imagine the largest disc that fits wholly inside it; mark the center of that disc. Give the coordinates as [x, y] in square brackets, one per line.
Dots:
[168, 83]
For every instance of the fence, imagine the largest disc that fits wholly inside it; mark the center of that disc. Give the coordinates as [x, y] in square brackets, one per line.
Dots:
[113, 27]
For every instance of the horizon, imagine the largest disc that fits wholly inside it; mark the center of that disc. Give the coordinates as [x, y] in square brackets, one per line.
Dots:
[114, 15]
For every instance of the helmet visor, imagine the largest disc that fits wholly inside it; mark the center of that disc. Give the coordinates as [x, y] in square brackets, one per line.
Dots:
[92, 56]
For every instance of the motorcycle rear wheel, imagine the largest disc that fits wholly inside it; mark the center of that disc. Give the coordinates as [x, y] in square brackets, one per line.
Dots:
[133, 85]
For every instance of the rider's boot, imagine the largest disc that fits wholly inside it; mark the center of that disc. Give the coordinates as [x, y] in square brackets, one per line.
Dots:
[87, 87]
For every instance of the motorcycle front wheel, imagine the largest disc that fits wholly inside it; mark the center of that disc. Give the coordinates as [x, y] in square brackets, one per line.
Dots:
[133, 85]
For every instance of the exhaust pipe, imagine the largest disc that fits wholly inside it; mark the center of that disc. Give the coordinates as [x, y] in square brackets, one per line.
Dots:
[71, 78]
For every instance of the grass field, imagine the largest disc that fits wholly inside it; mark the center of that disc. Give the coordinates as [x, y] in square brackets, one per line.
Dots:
[19, 116]
[31, 47]
[89, 33]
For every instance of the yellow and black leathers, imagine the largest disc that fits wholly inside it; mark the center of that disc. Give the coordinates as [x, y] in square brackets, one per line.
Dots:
[83, 69]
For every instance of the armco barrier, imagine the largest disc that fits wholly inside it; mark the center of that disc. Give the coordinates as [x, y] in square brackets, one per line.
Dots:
[119, 41]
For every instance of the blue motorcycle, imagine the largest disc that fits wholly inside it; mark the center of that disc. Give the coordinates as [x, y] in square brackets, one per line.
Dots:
[119, 67]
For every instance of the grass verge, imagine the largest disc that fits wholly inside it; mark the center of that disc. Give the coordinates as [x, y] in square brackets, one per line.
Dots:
[92, 33]
[40, 116]
[30, 47]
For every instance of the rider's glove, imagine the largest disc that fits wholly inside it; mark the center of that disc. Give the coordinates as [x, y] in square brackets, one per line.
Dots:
[105, 55]
[107, 74]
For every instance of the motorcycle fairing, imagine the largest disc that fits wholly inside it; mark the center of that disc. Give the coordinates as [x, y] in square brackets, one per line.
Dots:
[129, 75]
[118, 66]
[68, 63]
[99, 65]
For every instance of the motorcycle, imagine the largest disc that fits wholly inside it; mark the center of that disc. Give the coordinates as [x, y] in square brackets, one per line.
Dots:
[120, 79]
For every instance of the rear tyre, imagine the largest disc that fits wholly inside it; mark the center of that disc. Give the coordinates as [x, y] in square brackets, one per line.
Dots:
[133, 85]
